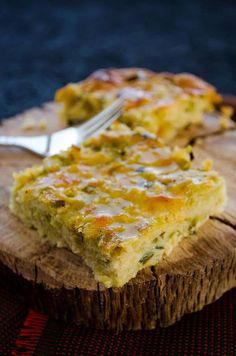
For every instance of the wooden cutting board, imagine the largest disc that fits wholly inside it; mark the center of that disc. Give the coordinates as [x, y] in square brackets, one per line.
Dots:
[56, 281]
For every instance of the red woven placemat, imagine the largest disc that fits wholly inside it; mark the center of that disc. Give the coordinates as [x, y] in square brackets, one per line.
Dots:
[23, 331]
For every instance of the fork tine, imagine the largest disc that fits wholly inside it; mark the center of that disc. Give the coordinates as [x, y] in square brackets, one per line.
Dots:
[106, 120]
[102, 125]
[62, 140]
[104, 115]
[46, 145]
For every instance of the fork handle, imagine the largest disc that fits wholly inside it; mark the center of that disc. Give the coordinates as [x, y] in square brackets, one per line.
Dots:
[9, 141]
[37, 144]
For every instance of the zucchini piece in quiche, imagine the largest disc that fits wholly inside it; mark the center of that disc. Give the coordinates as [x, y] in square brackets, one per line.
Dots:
[122, 201]
[162, 103]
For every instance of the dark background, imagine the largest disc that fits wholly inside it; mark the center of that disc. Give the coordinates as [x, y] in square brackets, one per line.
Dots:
[45, 44]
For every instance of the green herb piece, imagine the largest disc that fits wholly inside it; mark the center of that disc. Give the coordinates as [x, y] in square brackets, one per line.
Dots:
[192, 230]
[146, 257]
[88, 189]
[148, 184]
[58, 203]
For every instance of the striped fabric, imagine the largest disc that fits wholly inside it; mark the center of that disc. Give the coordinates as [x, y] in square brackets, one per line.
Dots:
[26, 332]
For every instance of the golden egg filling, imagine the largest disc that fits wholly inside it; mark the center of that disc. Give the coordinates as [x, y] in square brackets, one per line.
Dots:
[162, 103]
[122, 201]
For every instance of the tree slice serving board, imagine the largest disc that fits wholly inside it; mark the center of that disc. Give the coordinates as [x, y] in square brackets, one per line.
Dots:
[57, 282]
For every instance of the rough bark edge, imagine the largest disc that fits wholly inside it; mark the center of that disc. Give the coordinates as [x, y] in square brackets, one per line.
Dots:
[159, 302]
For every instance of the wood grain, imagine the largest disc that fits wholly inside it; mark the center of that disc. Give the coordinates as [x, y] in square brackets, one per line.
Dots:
[57, 282]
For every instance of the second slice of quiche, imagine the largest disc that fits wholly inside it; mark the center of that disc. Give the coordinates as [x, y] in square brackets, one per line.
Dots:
[162, 103]
[122, 201]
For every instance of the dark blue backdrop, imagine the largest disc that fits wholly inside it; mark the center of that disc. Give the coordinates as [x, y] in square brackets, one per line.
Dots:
[46, 44]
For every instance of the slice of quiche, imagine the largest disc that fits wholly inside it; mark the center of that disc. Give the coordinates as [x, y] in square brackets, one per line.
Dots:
[162, 103]
[122, 201]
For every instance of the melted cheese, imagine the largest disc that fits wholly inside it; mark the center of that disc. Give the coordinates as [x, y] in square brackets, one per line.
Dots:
[162, 103]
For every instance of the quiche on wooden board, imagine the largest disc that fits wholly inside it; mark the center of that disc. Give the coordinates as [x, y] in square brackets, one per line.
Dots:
[122, 201]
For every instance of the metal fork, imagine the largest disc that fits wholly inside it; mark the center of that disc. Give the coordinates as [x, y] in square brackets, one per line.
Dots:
[47, 145]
